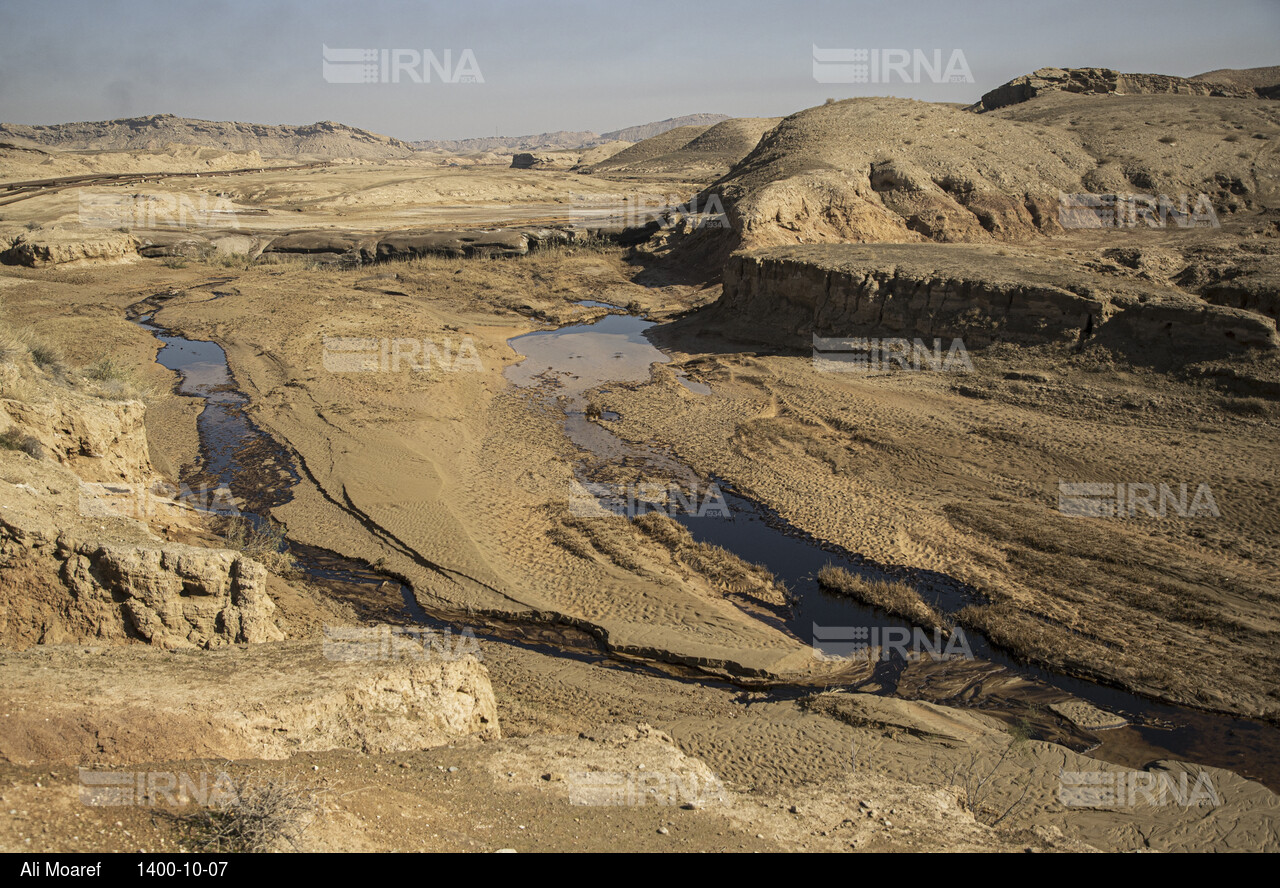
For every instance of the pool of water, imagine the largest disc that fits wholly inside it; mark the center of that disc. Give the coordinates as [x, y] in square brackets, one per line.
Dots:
[576, 359]
[234, 452]
[261, 474]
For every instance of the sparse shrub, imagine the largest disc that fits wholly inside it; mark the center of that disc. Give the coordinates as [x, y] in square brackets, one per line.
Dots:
[174, 262]
[265, 815]
[115, 381]
[46, 357]
[264, 542]
[12, 348]
[975, 778]
[13, 439]
[728, 572]
[34, 226]
[1245, 406]
[1167, 140]
[230, 260]
[107, 369]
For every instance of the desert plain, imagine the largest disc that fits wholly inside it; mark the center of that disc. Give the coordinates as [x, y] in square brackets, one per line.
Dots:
[414, 632]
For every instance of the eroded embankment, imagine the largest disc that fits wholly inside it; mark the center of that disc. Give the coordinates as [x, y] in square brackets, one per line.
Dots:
[789, 294]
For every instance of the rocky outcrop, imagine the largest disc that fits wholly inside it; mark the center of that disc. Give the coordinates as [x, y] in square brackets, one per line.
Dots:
[58, 247]
[526, 161]
[832, 292]
[80, 562]
[787, 295]
[410, 245]
[319, 242]
[176, 596]
[357, 248]
[186, 245]
[80, 558]
[1104, 81]
[81, 705]
[97, 439]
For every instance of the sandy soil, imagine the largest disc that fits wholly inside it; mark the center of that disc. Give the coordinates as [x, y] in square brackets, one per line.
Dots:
[457, 484]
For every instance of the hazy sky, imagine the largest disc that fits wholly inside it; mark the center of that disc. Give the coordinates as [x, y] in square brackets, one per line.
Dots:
[549, 65]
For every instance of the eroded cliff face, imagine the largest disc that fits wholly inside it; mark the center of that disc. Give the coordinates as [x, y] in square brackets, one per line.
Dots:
[85, 530]
[68, 247]
[98, 440]
[1105, 81]
[75, 704]
[788, 295]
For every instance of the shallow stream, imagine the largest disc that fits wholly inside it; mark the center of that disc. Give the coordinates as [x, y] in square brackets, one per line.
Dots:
[569, 363]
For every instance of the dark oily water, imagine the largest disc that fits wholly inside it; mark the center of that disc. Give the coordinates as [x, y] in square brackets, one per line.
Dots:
[573, 360]
[234, 452]
[261, 475]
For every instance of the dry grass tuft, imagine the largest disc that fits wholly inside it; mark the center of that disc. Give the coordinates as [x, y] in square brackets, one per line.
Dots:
[724, 569]
[264, 543]
[891, 596]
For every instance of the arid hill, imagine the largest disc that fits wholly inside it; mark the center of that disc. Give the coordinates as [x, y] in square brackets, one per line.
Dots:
[647, 150]
[884, 169]
[564, 139]
[323, 139]
[1168, 144]
[896, 169]
[560, 139]
[1258, 78]
[649, 130]
[709, 154]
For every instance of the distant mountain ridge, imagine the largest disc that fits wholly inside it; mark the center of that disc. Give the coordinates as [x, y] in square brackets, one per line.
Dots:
[566, 139]
[323, 139]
